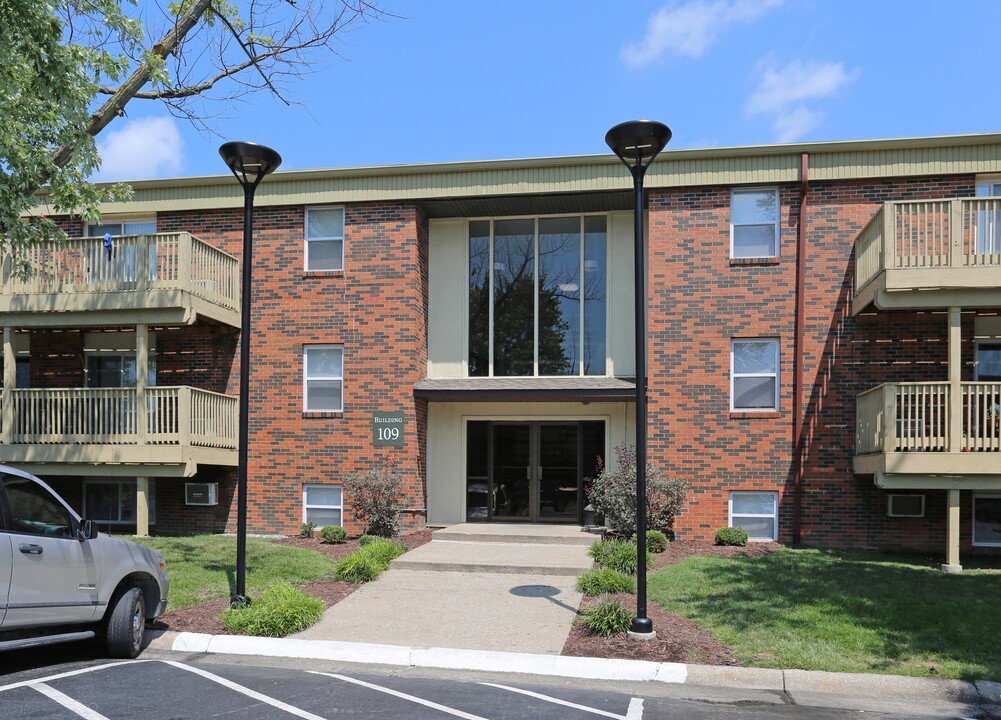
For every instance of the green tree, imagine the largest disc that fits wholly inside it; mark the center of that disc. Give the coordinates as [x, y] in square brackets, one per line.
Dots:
[58, 58]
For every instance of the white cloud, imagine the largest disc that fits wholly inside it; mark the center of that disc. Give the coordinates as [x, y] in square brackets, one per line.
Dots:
[688, 30]
[783, 92]
[794, 124]
[143, 148]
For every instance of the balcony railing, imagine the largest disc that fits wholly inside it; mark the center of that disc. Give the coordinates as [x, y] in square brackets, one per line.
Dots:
[116, 416]
[904, 417]
[959, 233]
[131, 263]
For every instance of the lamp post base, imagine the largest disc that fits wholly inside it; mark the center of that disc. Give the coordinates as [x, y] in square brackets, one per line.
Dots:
[239, 601]
[642, 629]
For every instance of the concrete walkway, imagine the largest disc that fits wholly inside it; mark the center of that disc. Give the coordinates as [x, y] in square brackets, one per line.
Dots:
[477, 587]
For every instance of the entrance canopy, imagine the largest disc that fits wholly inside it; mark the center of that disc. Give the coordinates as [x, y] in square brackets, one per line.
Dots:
[527, 389]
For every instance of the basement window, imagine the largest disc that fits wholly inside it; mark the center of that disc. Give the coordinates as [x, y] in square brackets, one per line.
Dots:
[899, 505]
[757, 513]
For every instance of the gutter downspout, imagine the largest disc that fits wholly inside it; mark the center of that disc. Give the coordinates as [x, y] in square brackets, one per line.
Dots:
[798, 350]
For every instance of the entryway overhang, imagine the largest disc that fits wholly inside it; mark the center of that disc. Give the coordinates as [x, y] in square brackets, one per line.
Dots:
[527, 389]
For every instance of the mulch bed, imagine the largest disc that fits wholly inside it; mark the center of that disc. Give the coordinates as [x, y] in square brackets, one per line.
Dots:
[678, 639]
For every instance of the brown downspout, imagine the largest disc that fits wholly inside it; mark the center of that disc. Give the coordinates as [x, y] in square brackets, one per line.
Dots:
[798, 351]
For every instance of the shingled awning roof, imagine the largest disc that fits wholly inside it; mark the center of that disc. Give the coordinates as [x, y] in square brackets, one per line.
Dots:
[526, 389]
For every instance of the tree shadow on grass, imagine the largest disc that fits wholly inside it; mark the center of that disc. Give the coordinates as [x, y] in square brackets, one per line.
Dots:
[878, 612]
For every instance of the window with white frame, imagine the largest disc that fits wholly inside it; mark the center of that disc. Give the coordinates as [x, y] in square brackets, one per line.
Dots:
[144, 226]
[325, 238]
[754, 374]
[323, 505]
[757, 513]
[754, 223]
[113, 502]
[987, 520]
[323, 378]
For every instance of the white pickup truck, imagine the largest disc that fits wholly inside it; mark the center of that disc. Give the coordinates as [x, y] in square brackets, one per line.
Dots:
[60, 580]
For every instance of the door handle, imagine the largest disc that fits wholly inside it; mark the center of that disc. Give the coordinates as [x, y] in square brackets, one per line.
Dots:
[29, 549]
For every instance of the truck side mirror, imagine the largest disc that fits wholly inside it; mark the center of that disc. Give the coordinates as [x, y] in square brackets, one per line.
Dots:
[86, 531]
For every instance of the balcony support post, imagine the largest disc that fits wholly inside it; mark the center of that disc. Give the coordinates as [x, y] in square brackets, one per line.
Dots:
[956, 259]
[9, 382]
[951, 564]
[889, 236]
[889, 439]
[142, 506]
[142, 373]
[955, 425]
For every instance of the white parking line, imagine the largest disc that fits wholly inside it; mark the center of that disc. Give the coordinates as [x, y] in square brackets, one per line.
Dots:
[67, 702]
[291, 709]
[404, 696]
[71, 673]
[634, 712]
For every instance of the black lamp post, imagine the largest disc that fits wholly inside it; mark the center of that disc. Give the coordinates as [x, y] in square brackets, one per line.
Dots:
[637, 143]
[250, 163]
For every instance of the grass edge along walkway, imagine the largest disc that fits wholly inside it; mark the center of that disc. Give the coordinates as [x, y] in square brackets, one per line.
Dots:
[841, 612]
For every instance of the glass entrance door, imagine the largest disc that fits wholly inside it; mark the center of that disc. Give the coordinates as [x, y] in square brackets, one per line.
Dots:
[530, 471]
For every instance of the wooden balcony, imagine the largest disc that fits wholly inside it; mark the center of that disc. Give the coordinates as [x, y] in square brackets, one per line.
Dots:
[167, 278]
[919, 436]
[930, 254]
[163, 431]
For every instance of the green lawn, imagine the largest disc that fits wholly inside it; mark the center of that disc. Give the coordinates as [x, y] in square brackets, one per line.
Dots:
[841, 611]
[203, 567]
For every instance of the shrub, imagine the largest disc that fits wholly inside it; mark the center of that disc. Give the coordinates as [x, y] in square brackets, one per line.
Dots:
[306, 529]
[333, 534]
[604, 581]
[618, 555]
[358, 567]
[613, 494]
[606, 617]
[281, 610]
[731, 536]
[366, 540]
[368, 561]
[377, 498]
[656, 541]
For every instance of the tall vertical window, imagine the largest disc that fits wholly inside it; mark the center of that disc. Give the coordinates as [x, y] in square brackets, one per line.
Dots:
[325, 238]
[754, 223]
[537, 296]
[323, 381]
[987, 520]
[754, 374]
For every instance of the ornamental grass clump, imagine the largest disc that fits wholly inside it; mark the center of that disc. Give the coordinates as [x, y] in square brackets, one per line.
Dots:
[613, 494]
[602, 581]
[606, 618]
[368, 561]
[618, 555]
[280, 611]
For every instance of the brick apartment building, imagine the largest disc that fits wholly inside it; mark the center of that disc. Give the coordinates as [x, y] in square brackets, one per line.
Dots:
[824, 344]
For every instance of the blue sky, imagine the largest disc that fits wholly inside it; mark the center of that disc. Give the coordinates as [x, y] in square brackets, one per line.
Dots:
[472, 80]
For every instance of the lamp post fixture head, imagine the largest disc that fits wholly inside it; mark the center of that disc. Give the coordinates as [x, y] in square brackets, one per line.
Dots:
[637, 142]
[249, 162]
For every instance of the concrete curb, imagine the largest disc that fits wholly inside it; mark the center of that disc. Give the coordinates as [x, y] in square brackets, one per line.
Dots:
[812, 688]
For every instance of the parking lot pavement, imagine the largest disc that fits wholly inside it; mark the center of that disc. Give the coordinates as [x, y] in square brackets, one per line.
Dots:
[167, 688]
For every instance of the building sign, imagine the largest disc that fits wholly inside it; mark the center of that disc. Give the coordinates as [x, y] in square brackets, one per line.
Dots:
[387, 429]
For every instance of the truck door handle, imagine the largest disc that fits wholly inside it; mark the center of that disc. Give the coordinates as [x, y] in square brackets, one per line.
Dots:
[29, 549]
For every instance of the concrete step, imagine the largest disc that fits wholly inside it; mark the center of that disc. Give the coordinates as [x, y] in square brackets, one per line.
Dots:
[497, 557]
[522, 533]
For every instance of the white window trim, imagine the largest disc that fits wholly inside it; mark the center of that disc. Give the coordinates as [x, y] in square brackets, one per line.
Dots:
[889, 505]
[307, 239]
[114, 220]
[306, 377]
[776, 375]
[973, 529]
[306, 508]
[775, 221]
[774, 516]
[151, 490]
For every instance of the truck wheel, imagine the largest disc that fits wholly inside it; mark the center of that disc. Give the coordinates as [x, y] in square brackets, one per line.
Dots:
[126, 623]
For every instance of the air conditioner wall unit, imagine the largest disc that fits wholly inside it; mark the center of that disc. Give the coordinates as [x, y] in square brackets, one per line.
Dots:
[202, 494]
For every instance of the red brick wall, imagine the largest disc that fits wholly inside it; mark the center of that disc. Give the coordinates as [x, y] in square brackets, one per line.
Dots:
[699, 300]
[376, 308]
